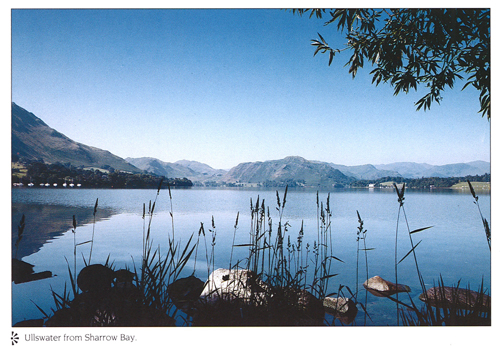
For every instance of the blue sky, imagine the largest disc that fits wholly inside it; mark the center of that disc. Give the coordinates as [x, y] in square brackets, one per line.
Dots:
[224, 87]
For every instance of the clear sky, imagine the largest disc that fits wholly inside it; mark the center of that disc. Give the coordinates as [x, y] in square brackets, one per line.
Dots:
[225, 86]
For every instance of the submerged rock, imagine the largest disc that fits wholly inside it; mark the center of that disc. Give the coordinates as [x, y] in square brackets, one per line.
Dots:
[458, 298]
[338, 305]
[383, 288]
[344, 309]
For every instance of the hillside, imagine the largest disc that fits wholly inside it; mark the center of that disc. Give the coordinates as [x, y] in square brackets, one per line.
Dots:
[33, 140]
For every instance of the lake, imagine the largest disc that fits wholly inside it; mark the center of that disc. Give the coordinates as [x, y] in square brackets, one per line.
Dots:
[455, 248]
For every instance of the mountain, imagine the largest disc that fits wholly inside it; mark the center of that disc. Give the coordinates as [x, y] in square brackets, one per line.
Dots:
[193, 170]
[419, 170]
[290, 170]
[32, 139]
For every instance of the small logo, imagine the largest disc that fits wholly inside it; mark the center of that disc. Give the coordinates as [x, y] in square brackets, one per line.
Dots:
[14, 338]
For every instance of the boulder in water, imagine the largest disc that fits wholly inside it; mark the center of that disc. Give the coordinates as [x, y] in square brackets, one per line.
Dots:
[344, 309]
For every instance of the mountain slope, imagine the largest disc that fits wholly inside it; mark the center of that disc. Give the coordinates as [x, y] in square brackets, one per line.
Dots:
[32, 139]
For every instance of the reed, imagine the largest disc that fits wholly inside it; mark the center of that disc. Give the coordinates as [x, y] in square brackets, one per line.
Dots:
[158, 270]
[401, 197]
[361, 235]
[279, 261]
[20, 231]
[171, 206]
[74, 245]
[486, 226]
[93, 229]
[232, 244]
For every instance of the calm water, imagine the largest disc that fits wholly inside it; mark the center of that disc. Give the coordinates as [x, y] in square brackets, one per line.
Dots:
[455, 247]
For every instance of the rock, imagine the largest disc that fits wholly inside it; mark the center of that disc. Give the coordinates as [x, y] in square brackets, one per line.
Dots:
[123, 279]
[383, 288]
[184, 292]
[238, 284]
[459, 298]
[95, 278]
[344, 309]
[124, 275]
[337, 305]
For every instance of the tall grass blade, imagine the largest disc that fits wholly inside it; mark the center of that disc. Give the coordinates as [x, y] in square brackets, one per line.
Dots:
[409, 252]
[420, 229]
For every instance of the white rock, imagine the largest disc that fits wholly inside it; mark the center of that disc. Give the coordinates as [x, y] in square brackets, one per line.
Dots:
[234, 284]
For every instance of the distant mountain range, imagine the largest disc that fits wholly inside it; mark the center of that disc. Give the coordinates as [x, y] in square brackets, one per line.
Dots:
[32, 139]
[419, 170]
[193, 170]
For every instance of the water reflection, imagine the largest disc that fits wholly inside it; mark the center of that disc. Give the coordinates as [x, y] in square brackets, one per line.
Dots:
[44, 223]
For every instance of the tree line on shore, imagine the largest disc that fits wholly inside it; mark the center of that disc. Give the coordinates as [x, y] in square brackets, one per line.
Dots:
[39, 173]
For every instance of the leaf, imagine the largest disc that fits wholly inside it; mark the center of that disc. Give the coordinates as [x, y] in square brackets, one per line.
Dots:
[420, 229]
[322, 39]
[328, 276]
[85, 242]
[409, 252]
[337, 259]
[366, 312]
[39, 308]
